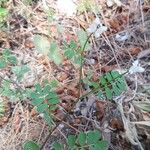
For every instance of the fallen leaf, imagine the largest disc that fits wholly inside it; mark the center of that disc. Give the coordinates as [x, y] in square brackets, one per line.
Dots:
[116, 124]
[17, 123]
[118, 22]
[60, 90]
[134, 50]
[72, 91]
[109, 68]
[100, 109]
[62, 76]
[114, 24]
[3, 120]
[33, 112]
[29, 43]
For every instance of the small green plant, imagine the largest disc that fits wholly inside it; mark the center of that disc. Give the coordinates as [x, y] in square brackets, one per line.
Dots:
[13, 91]
[73, 50]
[50, 14]
[109, 85]
[30, 145]
[45, 100]
[48, 49]
[3, 16]
[91, 140]
[20, 71]
[7, 58]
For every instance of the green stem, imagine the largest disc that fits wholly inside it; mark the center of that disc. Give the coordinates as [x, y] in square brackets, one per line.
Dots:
[81, 64]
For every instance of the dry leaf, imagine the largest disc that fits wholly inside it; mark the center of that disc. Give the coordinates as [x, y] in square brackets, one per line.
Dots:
[72, 91]
[109, 68]
[116, 124]
[29, 43]
[3, 120]
[100, 109]
[135, 50]
[114, 24]
[62, 76]
[60, 90]
[17, 123]
[33, 112]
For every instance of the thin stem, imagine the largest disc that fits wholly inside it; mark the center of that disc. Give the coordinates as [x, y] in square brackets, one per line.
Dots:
[81, 64]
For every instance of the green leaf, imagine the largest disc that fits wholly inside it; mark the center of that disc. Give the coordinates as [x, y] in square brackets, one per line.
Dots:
[91, 147]
[30, 145]
[101, 145]
[82, 138]
[38, 88]
[116, 90]
[73, 45]
[6, 53]
[48, 118]
[46, 89]
[51, 95]
[57, 146]
[19, 71]
[53, 101]
[12, 59]
[77, 60]
[53, 47]
[3, 63]
[57, 58]
[103, 81]
[82, 37]
[109, 77]
[108, 93]
[54, 53]
[54, 83]
[115, 74]
[42, 107]
[3, 14]
[121, 84]
[71, 140]
[69, 53]
[42, 44]
[33, 95]
[100, 95]
[37, 101]
[93, 136]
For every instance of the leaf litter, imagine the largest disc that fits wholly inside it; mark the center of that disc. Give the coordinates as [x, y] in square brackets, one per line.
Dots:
[33, 30]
